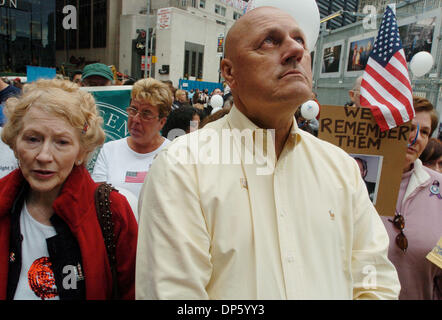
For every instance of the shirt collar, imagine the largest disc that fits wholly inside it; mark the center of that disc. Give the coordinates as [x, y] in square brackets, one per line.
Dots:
[238, 120]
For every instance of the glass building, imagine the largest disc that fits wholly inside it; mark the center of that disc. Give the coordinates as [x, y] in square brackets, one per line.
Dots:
[27, 34]
[327, 7]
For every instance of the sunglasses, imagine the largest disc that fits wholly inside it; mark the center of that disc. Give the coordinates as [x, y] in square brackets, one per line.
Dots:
[401, 239]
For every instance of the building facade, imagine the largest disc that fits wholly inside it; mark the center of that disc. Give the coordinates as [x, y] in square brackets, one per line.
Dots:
[96, 37]
[27, 35]
[328, 7]
[109, 30]
[186, 47]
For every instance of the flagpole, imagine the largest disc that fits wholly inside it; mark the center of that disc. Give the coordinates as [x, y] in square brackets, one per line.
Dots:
[146, 52]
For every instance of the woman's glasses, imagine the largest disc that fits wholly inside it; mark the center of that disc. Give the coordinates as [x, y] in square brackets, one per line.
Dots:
[145, 115]
[401, 239]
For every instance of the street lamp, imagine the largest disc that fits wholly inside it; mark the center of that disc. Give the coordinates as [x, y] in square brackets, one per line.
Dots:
[151, 52]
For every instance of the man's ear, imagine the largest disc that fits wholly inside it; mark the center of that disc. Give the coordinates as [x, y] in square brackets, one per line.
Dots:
[227, 72]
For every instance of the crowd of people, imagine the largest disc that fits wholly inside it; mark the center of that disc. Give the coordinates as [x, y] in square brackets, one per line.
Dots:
[305, 229]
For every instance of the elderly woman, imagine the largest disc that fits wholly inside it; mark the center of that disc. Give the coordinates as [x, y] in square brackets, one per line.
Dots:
[417, 224]
[51, 243]
[124, 163]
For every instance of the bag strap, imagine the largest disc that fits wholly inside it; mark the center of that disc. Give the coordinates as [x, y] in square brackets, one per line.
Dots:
[104, 214]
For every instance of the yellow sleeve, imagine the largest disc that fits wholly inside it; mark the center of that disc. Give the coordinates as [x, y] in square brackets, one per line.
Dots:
[173, 259]
[374, 276]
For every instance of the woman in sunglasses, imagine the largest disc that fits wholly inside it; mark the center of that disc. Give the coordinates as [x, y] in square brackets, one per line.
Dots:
[124, 163]
[417, 225]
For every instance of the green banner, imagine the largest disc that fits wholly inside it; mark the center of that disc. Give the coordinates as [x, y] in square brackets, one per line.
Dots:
[111, 102]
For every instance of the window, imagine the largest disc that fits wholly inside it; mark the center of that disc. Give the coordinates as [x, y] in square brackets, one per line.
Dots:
[220, 10]
[100, 23]
[194, 4]
[84, 24]
[193, 61]
[202, 4]
[28, 34]
[60, 32]
[193, 69]
[200, 65]
[186, 64]
[71, 33]
[236, 15]
[184, 3]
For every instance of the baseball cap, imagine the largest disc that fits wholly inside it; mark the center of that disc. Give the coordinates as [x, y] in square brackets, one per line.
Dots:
[98, 69]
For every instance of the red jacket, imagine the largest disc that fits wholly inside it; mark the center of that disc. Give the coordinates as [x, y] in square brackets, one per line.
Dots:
[76, 207]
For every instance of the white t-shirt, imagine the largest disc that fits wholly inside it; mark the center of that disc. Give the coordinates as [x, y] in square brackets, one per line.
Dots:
[120, 166]
[8, 162]
[36, 280]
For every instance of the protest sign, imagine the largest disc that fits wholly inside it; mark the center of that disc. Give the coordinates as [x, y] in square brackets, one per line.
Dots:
[112, 102]
[380, 155]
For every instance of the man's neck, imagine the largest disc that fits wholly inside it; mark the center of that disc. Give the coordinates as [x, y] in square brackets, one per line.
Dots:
[282, 132]
[281, 123]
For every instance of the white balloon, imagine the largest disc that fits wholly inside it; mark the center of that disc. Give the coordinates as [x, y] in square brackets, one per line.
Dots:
[305, 13]
[216, 101]
[421, 63]
[310, 110]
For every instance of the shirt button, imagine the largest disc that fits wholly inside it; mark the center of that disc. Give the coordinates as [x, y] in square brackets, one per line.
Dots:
[290, 259]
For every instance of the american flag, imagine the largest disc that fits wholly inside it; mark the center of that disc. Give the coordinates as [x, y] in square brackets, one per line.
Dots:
[385, 86]
[135, 177]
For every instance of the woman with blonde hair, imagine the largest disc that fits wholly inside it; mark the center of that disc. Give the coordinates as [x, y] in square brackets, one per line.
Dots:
[52, 243]
[124, 163]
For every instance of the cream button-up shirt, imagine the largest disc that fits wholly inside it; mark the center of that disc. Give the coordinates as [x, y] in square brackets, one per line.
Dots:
[221, 218]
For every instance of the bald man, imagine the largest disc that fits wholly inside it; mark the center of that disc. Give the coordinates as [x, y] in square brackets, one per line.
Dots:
[355, 93]
[251, 207]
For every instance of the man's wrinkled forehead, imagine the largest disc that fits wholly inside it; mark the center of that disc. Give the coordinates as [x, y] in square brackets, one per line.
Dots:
[265, 15]
[257, 21]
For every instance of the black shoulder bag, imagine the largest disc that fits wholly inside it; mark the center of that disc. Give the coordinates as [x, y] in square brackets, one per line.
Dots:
[104, 214]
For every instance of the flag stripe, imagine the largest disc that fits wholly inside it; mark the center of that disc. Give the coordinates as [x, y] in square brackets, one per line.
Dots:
[383, 119]
[387, 90]
[400, 71]
[377, 93]
[390, 113]
[402, 66]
